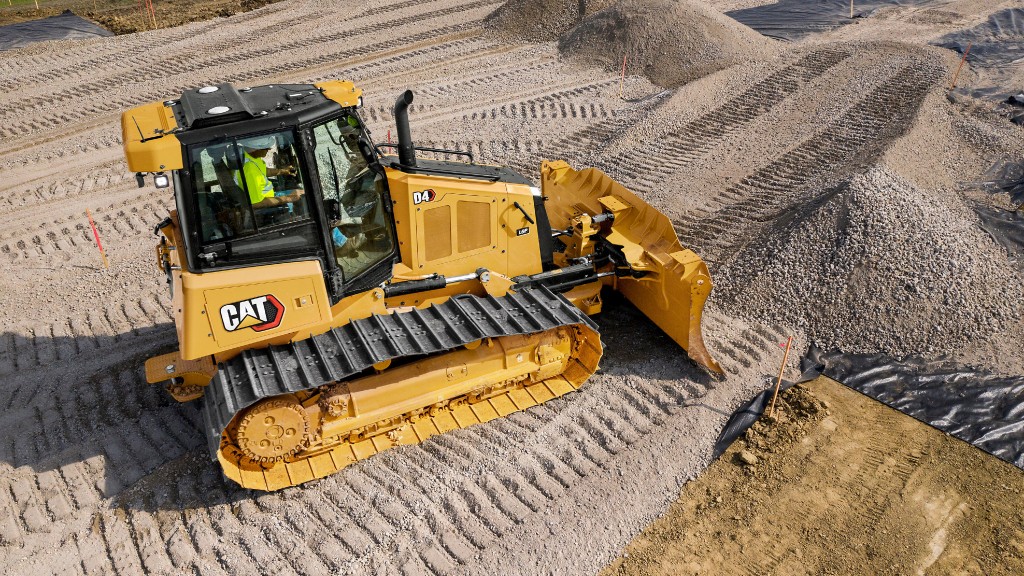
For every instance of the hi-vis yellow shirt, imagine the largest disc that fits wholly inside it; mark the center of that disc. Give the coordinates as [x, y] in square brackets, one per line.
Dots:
[254, 170]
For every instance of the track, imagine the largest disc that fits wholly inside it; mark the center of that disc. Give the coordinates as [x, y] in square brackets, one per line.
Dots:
[101, 473]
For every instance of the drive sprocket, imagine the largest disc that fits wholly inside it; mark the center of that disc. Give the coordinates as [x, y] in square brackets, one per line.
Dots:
[273, 430]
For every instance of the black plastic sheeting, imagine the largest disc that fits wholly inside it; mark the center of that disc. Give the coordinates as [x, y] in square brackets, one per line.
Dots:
[1006, 176]
[1009, 101]
[795, 19]
[66, 26]
[745, 417]
[978, 407]
[999, 41]
[973, 405]
[1005, 227]
[998, 46]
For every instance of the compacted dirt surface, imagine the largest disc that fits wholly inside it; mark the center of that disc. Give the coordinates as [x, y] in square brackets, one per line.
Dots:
[838, 483]
[780, 151]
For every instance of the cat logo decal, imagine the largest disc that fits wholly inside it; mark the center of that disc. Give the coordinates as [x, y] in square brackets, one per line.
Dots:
[259, 313]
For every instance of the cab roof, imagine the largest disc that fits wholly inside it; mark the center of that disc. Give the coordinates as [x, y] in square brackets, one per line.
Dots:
[152, 134]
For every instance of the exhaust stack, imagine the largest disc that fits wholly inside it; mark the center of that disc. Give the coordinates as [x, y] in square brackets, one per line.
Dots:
[406, 153]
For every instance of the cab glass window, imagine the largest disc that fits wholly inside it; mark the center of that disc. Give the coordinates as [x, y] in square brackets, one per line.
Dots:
[250, 200]
[360, 227]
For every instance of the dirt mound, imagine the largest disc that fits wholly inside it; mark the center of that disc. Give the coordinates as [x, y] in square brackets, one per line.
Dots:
[670, 42]
[839, 484]
[540, 20]
[886, 266]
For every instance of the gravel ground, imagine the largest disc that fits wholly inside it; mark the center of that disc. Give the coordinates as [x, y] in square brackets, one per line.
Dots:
[540, 20]
[101, 473]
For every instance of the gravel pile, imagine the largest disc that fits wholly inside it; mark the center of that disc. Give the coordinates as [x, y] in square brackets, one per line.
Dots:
[670, 42]
[885, 266]
[540, 20]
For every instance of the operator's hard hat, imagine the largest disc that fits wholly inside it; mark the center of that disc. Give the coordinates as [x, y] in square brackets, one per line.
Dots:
[259, 143]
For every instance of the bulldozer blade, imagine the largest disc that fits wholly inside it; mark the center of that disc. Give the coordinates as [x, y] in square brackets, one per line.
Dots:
[670, 283]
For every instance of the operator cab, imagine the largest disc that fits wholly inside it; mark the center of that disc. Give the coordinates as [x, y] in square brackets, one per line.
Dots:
[233, 179]
[281, 173]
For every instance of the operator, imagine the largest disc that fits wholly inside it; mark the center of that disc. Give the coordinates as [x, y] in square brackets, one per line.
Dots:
[338, 158]
[257, 175]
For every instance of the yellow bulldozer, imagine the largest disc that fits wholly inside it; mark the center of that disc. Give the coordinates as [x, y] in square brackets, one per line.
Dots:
[334, 298]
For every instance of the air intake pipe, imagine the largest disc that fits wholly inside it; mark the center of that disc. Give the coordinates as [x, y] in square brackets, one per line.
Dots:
[406, 153]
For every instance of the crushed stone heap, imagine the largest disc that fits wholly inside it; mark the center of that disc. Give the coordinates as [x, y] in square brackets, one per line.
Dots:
[886, 266]
[540, 20]
[670, 42]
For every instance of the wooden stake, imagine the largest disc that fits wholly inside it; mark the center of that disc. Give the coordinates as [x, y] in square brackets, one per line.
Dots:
[851, 9]
[622, 80]
[962, 60]
[782, 369]
[96, 235]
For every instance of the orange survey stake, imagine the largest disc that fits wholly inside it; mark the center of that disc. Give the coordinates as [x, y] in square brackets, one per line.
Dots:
[96, 235]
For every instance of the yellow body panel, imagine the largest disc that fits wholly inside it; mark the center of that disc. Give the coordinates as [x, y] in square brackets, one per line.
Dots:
[341, 91]
[221, 312]
[157, 153]
[196, 313]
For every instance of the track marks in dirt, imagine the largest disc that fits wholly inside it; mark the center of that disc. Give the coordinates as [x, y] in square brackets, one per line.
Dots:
[861, 133]
[65, 108]
[76, 446]
[495, 477]
[124, 475]
[689, 142]
[61, 343]
[61, 188]
[147, 57]
[143, 50]
[427, 96]
[542, 104]
[594, 135]
[409, 62]
[56, 240]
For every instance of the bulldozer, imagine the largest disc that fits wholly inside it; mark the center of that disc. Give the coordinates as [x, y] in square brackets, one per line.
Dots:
[334, 298]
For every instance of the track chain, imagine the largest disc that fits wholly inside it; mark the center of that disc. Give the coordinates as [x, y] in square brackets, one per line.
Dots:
[353, 348]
